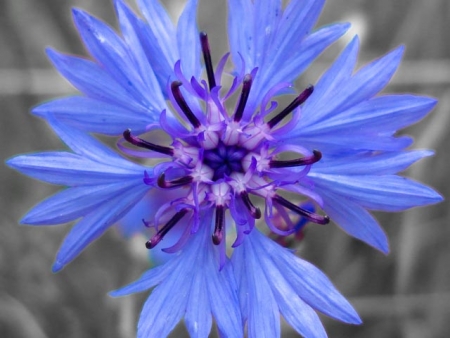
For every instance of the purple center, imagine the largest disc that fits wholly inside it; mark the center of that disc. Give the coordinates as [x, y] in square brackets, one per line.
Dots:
[224, 160]
[224, 157]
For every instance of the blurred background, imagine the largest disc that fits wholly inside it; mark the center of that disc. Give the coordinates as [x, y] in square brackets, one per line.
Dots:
[404, 294]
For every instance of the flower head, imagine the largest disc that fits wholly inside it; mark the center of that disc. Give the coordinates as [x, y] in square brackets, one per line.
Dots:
[227, 165]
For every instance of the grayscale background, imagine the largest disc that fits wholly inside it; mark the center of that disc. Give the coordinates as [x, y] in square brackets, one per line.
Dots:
[404, 294]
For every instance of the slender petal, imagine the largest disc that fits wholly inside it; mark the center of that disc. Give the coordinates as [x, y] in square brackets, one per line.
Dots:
[89, 78]
[254, 27]
[93, 115]
[190, 284]
[297, 286]
[387, 192]
[94, 224]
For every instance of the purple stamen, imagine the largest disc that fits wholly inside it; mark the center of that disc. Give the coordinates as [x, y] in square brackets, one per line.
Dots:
[294, 104]
[307, 160]
[218, 229]
[311, 216]
[246, 85]
[254, 211]
[166, 228]
[175, 87]
[145, 144]
[207, 57]
[178, 182]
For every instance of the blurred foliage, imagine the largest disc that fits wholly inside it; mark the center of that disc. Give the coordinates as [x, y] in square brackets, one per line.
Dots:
[406, 294]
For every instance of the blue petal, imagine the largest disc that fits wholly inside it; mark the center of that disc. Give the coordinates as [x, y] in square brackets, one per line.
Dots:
[381, 114]
[198, 312]
[151, 278]
[337, 92]
[367, 163]
[288, 283]
[354, 219]
[298, 314]
[309, 283]
[351, 141]
[387, 192]
[239, 261]
[276, 43]
[224, 301]
[94, 115]
[94, 224]
[268, 15]
[167, 302]
[90, 78]
[159, 40]
[190, 283]
[329, 85]
[241, 23]
[368, 81]
[76, 202]
[130, 26]
[311, 48]
[110, 51]
[69, 169]
[297, 22]
[188, 40]
[88, 147]
[258, 304]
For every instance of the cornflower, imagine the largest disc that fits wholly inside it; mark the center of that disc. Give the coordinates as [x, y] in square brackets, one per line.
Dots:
[333, 145]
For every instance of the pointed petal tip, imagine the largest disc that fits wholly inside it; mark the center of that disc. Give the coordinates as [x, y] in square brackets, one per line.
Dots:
[385, 250]
[25, 220]
[115, 293]
[31, 219]
[78, 13]
[57, 267]
[351, 315]
[356, 319]
[429, 100]
[354, 41]
[15, 162]
[344, 26]
[10, 162]
[437, 198]
[50, 51]
[397, 54]
[40, 111]
[117, 3]
[381, 244]
[119, 7]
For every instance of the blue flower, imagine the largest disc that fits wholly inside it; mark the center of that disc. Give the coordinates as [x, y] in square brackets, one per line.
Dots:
[334, 145]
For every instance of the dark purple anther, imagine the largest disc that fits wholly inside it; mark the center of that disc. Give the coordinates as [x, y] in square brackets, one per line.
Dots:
[178, 182]
[166, 228]
[218, 229]
[254, 211]
[138, 142]
[307, 160]
[246, 85]
[207, 57]
[294, 104]
[310, 216]
[175, 87]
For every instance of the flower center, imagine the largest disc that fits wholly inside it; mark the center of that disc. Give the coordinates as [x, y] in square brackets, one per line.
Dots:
[223, 158]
